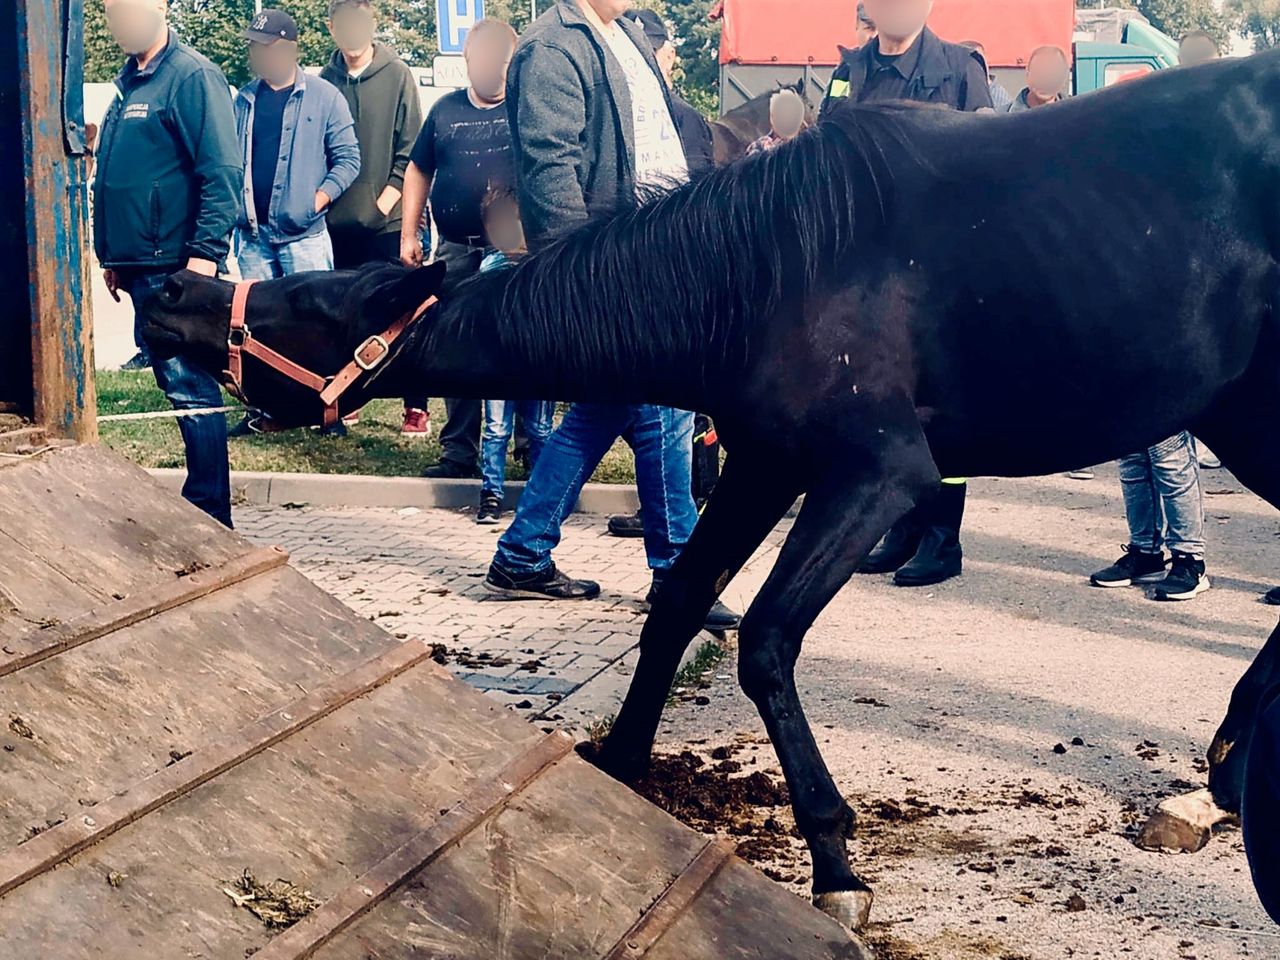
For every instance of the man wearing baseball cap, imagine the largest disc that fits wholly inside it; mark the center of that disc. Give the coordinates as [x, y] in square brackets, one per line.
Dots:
[300, 154]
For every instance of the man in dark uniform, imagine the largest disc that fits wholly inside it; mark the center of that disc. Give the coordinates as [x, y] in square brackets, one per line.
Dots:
[907, 61]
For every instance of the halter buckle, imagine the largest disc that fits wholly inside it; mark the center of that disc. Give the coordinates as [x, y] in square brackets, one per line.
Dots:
[237, 337]
[371, 353]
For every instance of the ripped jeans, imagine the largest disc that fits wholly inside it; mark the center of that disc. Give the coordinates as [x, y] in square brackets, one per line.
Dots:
[1162, 497]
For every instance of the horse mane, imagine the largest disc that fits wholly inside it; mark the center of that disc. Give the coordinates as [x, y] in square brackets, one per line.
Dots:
[686, 275]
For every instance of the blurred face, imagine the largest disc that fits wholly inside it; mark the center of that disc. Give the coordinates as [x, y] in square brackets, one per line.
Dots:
[352, 29]
[136, 25]
[488, 55]
[898, 19]
[275, 62]
[666, 57]
[1046, 75]
[1196, 50]
[610, 10]
[503, 226]
[786, 116]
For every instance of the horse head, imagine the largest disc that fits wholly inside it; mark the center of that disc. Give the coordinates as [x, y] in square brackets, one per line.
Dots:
[316, 320]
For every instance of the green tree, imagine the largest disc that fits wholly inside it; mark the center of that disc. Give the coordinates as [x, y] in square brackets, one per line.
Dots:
[1259, 20]
[1177, 18]
[698, 40]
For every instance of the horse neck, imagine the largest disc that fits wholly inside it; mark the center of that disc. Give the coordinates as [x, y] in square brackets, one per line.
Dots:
[477, 355]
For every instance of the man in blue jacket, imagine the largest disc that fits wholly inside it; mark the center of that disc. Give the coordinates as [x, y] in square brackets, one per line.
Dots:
[298, 144]
[165, 199]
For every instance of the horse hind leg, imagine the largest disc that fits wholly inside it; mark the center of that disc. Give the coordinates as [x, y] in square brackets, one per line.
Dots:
[1184, 824]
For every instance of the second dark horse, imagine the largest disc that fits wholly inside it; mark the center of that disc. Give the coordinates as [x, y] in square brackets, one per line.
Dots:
[895, 296]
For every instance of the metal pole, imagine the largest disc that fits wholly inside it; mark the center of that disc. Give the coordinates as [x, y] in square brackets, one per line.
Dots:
[533, 10]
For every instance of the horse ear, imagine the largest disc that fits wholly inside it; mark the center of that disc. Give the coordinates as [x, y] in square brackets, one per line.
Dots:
[409, 290]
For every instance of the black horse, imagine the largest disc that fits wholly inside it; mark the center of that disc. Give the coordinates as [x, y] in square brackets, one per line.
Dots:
[896, 296]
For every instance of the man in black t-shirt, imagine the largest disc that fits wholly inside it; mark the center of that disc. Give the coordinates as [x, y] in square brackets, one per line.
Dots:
[463, 151]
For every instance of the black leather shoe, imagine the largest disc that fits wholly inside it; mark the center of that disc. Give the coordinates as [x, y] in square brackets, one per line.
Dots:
[548, 584]
[629, 525]
[896, 547]
[1272, 597]
[451, 470]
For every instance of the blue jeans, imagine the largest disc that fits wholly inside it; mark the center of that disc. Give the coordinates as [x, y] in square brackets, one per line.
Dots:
[260, 260]
[1162, 497]
[662, 439]
[498, 418]
[189, 387]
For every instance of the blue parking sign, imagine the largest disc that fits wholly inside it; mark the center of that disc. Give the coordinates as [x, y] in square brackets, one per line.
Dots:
[453, 19]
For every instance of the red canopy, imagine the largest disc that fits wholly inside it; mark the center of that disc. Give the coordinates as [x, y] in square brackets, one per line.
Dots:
[807, 31]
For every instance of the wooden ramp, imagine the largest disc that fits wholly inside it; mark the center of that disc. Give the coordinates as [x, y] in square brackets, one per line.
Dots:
[178, 706]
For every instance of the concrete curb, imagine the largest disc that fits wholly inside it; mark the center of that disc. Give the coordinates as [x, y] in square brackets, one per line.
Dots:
[344, 490]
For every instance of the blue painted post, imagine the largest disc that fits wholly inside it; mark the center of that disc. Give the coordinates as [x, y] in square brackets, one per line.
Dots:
[47, 75]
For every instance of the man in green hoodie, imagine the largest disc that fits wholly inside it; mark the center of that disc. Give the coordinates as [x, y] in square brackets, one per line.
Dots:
[380, 90]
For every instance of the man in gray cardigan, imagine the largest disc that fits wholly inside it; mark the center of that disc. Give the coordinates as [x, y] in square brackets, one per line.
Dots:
[591, 123]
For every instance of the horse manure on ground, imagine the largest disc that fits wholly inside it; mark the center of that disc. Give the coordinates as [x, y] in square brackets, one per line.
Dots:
[277, 904]
[20, 727]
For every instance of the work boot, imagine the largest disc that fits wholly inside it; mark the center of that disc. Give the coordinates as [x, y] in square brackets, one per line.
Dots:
[939, 557]
[897, 546]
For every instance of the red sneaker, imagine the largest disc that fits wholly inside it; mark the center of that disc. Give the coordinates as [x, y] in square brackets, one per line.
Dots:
[351, 419]
[417, 424]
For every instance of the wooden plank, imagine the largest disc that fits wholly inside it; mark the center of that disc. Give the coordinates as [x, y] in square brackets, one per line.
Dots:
[563, 871]
[107, 714]
[319, 809]
[65, 840]
[485, 799]
[655, 921]
[103, 525]
[47, 642]
[743, 915]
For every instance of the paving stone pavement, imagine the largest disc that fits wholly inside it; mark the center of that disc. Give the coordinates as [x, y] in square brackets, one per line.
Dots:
[419, 573]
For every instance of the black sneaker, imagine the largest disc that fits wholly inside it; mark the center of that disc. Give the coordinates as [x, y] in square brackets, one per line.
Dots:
[549, 584]
[719, 618]
[451, 470]
[490, 511]
[1272, 597]
[628, 525]
[1185, 581]
[1134, 567]
[139, 361]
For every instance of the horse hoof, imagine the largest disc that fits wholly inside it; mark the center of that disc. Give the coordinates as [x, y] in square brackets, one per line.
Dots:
[1166, 833]
[850, 907]
[1182, 824]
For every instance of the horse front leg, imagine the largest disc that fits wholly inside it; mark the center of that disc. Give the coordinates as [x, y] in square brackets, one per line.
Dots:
[746, 504]
[840, 522]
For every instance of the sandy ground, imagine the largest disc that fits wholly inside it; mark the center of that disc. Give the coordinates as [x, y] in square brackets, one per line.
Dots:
[938, 712]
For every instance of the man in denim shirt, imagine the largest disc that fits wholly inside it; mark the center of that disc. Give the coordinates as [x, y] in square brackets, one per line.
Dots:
[300, 154]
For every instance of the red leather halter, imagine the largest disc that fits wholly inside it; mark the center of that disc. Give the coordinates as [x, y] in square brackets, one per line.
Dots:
[367, 358]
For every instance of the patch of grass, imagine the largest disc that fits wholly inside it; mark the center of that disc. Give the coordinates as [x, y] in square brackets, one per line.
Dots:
[598, 729]
[693, 674]
[374, 446]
